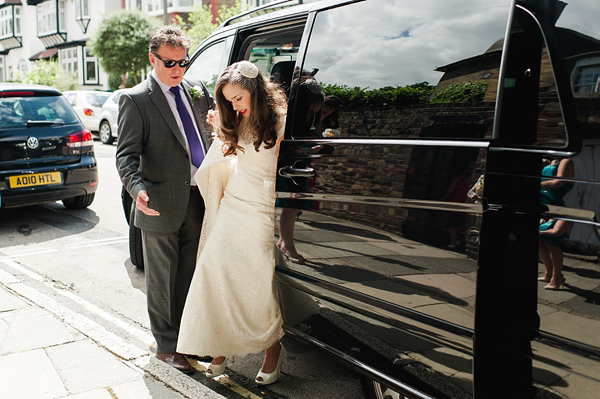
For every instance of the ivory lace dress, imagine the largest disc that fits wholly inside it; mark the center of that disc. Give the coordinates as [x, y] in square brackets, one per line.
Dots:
[232, 307]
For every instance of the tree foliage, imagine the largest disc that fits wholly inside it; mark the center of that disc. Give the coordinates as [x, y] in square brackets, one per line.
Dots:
[201, 20]
[121, 42]
[417, 93]
[461, 93]
[49, 73]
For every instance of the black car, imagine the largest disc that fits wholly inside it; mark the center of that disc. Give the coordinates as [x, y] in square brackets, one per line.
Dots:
[46, 154]
[419, 207]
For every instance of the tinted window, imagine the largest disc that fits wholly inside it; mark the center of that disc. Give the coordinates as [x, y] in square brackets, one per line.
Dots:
[97, 99]
[72, 97]
[206, 66]
[397, 65]
[16, 111]
[578, 36]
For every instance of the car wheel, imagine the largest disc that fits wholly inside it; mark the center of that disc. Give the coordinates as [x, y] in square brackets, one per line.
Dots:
[106, 133]
[79, 202]
[136, 249]
[375, 390]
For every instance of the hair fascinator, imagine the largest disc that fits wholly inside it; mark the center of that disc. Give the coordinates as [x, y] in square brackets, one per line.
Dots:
[313, 86]
[248, 69]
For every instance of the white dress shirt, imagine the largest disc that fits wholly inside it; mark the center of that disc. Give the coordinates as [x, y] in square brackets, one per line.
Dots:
[171, 100]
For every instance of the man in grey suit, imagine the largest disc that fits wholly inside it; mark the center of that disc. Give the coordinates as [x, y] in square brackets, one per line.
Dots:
[163, 137]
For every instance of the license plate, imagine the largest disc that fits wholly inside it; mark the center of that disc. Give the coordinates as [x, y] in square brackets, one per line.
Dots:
[35, 179]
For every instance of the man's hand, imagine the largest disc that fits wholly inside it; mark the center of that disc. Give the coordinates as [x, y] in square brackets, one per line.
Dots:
[142, 204]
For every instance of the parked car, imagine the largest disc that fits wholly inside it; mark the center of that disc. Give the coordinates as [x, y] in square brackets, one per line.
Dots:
[46, 154]
[421, 213]
[108, 118]
[88, 106]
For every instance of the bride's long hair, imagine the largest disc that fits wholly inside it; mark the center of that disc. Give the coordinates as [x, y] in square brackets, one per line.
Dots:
[268, 106]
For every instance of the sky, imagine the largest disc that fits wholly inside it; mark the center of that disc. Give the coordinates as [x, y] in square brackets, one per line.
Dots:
[358, 43]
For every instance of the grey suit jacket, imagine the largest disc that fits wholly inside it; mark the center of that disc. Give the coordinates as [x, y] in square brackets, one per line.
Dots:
[152, 155]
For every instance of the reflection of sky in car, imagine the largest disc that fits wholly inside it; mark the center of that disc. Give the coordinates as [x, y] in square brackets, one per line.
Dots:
[581, 16]
[427, 33]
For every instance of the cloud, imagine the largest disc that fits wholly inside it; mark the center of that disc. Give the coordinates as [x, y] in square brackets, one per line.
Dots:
[381, 43]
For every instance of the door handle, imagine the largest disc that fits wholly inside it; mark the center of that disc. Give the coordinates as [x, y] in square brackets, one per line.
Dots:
[289, 172]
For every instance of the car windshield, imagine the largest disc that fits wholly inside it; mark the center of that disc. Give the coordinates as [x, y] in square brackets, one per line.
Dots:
[115, 97]
[17, 111]
[97, 99]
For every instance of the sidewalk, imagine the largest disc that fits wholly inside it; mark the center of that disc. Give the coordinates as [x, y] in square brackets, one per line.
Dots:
[48, 351]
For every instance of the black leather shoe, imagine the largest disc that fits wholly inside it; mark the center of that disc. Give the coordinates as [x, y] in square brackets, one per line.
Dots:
[176, 360]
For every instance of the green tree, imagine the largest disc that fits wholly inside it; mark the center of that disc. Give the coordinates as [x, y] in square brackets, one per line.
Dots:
[121, 43]
[201, 20]
[468, 92]
[49, 73]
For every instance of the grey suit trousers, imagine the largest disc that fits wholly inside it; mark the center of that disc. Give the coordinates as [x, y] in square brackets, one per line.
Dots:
[170, 261]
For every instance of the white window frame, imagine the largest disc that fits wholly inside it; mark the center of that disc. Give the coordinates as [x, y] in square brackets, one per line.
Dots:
[68, 58]
[7, 22]
[17, 14]
[47, 17]
[88, 58]
[2, 58]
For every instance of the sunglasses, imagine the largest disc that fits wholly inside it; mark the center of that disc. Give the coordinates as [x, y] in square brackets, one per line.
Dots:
[171, 63]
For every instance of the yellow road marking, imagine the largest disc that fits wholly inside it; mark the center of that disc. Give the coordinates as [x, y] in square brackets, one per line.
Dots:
[225, 381]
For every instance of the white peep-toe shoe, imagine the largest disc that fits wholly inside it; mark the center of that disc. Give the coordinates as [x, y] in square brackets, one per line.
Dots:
[215, 370]
[269, 378]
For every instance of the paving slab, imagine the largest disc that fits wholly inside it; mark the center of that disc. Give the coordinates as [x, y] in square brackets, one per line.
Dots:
[30, 375]
[30, 328]
[83, 366]
[97, 394]
[145, 388]
[8, 301]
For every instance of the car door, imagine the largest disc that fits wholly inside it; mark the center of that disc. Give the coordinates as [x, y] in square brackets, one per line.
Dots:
[415, 220]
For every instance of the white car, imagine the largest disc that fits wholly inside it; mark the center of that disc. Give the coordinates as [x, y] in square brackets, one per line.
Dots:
[88, 106]
[108, 118]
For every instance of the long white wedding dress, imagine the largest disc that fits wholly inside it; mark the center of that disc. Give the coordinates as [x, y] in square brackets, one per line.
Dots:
[232, 307]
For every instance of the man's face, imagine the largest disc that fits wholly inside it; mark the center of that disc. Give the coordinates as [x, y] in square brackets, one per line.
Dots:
[169, 76]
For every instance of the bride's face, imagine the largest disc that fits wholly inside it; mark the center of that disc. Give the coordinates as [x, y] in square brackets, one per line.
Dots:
[239, 98]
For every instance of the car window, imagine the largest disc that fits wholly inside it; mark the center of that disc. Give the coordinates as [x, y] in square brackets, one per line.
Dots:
[206, 65]
[16, 111]
[71, 98]
[115, 97]
[268, 50]
[97, 99]
[414, 71]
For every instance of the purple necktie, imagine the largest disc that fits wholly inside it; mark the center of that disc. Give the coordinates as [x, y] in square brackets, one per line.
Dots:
[188, 127]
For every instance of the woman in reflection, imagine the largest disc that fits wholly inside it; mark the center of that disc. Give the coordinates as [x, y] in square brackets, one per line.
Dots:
[553, 232]
[232, 306]
[310, 97]
[330, 118]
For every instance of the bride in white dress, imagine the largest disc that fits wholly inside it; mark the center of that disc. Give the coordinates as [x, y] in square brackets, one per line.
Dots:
[232, 307]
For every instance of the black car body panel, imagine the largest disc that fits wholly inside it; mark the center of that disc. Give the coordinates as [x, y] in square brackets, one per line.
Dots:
[420, 211]
[45, 152]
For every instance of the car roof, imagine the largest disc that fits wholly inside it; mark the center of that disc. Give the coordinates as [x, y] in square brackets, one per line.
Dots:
[274, 10]
[87, 91]
[4, 87]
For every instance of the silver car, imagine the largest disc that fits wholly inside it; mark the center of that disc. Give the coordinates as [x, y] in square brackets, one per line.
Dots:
[87, 105]
[108, 118]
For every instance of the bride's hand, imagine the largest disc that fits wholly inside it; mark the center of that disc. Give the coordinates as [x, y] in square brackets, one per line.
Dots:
[211, 116]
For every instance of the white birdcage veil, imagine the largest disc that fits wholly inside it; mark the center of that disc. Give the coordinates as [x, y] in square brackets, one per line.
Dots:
[242, 74]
